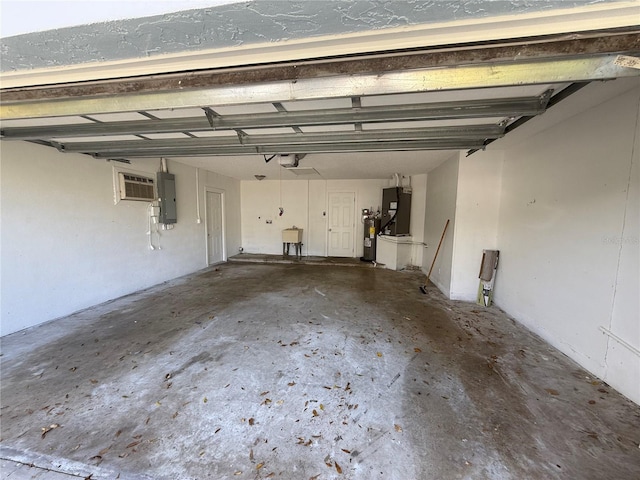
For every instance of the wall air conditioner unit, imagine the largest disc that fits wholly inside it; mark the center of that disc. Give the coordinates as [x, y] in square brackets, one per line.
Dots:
[136, 187]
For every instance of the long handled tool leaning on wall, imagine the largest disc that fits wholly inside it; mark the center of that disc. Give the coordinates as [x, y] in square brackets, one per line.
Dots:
[423, 288]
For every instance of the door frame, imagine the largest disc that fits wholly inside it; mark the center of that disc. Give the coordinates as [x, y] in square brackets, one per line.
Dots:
[206, 223]
[353, 226]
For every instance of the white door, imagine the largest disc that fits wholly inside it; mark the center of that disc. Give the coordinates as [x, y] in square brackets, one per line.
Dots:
[341, 224]
[215, 230]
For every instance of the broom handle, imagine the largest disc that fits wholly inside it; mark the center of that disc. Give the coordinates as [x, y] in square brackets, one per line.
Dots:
[438, 249]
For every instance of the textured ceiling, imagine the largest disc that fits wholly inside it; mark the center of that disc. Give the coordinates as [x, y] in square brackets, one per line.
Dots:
[245, 23]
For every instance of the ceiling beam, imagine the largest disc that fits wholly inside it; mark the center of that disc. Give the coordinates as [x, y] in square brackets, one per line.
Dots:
[490, 108]
[403, 145]
[444, 134]
[543, 71]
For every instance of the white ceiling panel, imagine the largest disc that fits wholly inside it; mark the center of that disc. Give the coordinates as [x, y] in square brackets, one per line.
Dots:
[317, 104]
[270, 131]
[348, 166]
[431, 123]
[160, 136]
[118, 117]
[32, 122]
[458, 95]
[110, 138]
[328, 128]
[215, 133]
[243, 109]
[178, 113]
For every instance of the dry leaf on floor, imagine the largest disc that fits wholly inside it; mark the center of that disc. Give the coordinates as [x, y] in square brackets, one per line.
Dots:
[46, 430]
[264, 393]
[379, 354]
[251, 454]
[315, 477]
[104, 450]
[259, 466]
[252, 421]
[338, 468]
[205, 400]
[345, 450]
[397, 427]
[133, 444]
[291, 384]
[551, 391]
[315, 413]
[239, 472]
[266, 401]
[417, 350]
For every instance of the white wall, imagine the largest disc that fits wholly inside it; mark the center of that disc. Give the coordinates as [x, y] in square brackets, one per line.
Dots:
[305, 204]
[442, 186]
[418, 204]
[568, 236]
[66, 246]
[477, 209]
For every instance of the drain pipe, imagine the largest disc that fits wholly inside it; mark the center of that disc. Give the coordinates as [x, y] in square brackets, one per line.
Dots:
[198, 219]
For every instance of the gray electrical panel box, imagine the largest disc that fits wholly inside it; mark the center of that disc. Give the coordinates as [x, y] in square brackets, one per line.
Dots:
[396, 211]
[166, 183]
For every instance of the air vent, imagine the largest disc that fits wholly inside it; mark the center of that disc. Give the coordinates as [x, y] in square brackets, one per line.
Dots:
[136, 187]
[300, 171]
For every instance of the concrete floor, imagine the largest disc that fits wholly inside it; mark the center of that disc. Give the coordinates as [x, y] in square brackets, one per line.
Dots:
[304, 372]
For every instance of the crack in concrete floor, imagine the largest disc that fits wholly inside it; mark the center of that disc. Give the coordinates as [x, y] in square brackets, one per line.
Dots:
[292, 371]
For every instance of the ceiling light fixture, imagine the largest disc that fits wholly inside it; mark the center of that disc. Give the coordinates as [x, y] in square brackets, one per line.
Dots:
[260, 177]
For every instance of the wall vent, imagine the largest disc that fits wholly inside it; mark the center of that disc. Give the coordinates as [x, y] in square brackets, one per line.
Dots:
[136, 187]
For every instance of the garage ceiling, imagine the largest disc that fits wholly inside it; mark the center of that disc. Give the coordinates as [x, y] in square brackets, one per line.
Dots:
[360, 116]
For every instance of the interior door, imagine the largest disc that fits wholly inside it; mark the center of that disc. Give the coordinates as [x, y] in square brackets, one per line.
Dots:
[341, 224]
[215, 229]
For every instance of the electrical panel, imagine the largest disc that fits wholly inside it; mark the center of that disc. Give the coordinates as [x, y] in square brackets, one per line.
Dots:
[396, 211]
[167, 195]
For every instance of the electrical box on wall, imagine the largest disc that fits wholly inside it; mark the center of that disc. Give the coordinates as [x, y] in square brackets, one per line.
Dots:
[166, 183]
